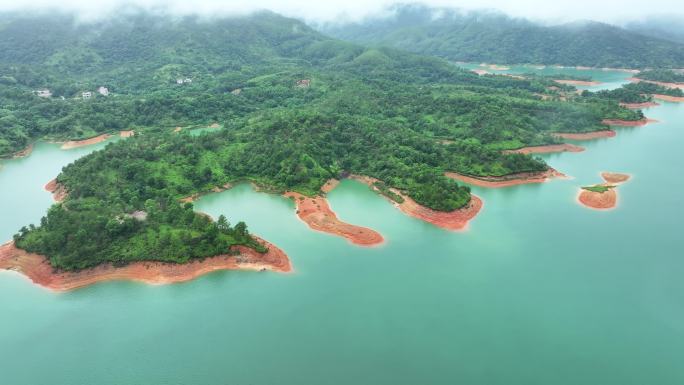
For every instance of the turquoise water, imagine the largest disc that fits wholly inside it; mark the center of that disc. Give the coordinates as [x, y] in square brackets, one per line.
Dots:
[539, 290]
[609, 79]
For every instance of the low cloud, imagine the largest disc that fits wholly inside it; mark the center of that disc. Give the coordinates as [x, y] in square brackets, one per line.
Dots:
[613, 11]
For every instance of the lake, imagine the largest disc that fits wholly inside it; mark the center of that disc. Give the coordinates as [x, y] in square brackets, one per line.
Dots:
[538, 289]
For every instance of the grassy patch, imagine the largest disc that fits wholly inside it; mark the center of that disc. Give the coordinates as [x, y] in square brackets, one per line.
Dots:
[598, 188]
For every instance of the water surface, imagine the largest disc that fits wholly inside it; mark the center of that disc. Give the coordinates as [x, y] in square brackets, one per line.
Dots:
[539, 290]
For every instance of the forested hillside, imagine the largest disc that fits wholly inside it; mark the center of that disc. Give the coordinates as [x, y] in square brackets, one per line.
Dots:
[297, 108]
[496, 38]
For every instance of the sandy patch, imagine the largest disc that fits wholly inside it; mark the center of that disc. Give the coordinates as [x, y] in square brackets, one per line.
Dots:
[614, 178]
[86, 142]
[316, 213]
[598, 201]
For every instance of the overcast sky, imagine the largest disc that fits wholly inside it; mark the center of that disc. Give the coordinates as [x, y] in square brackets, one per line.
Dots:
[613, 11]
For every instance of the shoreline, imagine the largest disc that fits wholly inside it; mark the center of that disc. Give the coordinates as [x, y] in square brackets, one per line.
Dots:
[318, 215]
[453, 221]
[37, 268]
[570, 82]
[637, 106]
[585, 135]
[71, 144]
[668, 98]
[507, 180]
[22, 153]
[58, 191]
[546, 149]
[628, 123]
[664, 84]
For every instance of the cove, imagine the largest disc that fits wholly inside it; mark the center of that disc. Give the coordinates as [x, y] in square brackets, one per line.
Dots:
[538, 290]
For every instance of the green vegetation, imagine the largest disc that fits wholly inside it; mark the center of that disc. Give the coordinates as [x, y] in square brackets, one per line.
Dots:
[597, 188]
[296, 108]
[386, 191]
[634, 93]
[495, 38]
[665, 76]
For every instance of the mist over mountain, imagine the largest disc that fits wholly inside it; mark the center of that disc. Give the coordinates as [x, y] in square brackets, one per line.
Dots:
[496, 38]
[662, 26]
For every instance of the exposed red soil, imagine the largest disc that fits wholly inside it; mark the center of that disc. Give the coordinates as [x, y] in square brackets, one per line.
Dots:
[59, 192]
[668, 98]
[507, 180]
[585, 135]
[664, 84]
[598, 201]
[614, 178]
[636, 106]
[38, 269]
[330, 185]
[577, 82]
[453, 220]
[564, 147]
[126, 133]
[178, 129]
[195, 196]
[316, 213]
[86, 142]
[628, 123]
[25, 152]
[605, 200]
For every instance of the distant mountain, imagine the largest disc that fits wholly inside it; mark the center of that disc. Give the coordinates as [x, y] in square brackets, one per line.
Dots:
[663, 27]
[496, 38]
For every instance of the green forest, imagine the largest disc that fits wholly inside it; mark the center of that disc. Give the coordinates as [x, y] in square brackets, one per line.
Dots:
[485, 36]
[661, 75]
[296, 107]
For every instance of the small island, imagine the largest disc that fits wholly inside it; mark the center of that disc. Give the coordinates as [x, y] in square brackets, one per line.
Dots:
[602, 196]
